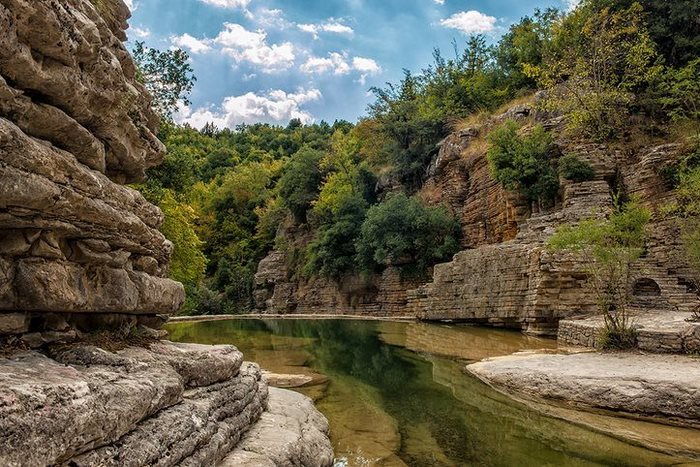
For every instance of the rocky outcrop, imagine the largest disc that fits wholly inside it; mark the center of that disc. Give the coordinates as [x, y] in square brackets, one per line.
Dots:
[459, 177]
[75, 124]
[377, 295]
[165, 404]
[290, 433]
[614, 382]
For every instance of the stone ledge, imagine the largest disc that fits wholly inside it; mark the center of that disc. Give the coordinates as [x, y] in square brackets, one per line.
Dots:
[82, 398]
[290, 433]
[662, 388]
[657, 331]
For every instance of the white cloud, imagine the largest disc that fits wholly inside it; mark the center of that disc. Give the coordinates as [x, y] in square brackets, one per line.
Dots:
[340, 64]
[275, 106]
[439, 2]
[335, 62]
[130, 4]
[470, 22]
[267, 17]
[194, 45]
[140, 32]
[331, 26]
[366, 65]
[251, 46]
[228, 3]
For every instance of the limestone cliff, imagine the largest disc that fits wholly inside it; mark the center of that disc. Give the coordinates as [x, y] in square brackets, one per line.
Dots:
[75, 124]
[81, 253]
[505, 275]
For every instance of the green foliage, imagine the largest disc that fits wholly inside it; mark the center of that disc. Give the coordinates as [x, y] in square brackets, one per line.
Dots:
[167, 75]
[599, 59]
[681, 92]
[188, 263]
[522, 163]
[608, 248]
[332, 253]
[409, 135]
[401, 230]
[524, 47]
[573, 168]
[299, 185]
[673, 26]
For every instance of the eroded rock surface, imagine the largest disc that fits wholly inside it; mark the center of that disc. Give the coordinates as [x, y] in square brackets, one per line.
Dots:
[75, 125]
[290, 433]
[164, 404]
[663, 387]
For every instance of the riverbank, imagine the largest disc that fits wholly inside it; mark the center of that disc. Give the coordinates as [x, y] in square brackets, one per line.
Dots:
[163, 402]
[195, 319]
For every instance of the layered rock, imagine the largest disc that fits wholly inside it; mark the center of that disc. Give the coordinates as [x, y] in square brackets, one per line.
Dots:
[167, 404]
[75, 124]
[377, 295]
[613, 382]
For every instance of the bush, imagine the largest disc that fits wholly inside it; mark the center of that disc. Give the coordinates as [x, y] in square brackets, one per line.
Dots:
[574, 169]
[522, 163]
[622, 339]
[400, 230]
[608, 248]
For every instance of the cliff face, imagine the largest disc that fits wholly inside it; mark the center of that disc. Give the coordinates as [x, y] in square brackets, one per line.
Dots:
[75, 125]
[505, 275]
[80, 252]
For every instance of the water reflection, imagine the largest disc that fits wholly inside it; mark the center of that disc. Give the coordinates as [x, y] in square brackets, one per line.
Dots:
[396, 394]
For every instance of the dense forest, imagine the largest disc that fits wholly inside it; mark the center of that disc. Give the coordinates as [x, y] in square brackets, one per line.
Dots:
[616, 69]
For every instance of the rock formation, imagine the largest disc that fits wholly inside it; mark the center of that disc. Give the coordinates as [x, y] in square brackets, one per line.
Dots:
[165, 404]
[505, 275]
[81, 253]
[75, 124]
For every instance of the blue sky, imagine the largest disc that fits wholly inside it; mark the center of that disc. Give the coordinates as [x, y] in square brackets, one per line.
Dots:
[272, 60]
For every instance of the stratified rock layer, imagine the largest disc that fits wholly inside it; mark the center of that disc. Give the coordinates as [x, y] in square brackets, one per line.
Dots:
[165, 404]
[657, 386]
[74, 126]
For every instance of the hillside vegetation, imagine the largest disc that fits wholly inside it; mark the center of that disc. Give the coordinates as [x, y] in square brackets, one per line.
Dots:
[615, 69]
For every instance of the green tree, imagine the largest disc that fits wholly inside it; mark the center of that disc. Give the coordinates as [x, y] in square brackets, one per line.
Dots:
[608, 248]
[523, 163]
[167, 75]
[300, 182]
[188, 263]
[598, 61]
[400, 230]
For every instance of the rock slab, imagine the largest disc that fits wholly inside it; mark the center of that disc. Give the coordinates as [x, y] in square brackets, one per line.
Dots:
[661, 387]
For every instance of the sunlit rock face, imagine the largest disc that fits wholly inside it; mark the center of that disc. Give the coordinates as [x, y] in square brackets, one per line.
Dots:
[75, 126]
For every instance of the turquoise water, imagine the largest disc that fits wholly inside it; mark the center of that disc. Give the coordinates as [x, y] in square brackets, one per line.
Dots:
[396, 394]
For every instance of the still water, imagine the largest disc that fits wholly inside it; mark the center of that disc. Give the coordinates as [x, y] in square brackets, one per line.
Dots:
[396, 394]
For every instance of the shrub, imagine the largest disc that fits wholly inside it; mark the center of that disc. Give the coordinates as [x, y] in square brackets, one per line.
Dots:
[401, 230]
[573, 168]
[608, 248]
[522, 163]
[610, 339]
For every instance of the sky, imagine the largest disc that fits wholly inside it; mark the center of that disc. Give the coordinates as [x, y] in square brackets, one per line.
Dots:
[274, 60]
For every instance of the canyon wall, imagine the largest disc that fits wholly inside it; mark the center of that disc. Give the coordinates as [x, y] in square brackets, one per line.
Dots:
[78, 248]
[505, 275]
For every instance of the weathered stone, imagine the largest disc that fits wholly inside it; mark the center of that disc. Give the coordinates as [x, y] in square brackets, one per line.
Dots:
[14, 323]
[664, 387]
[290, 433]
